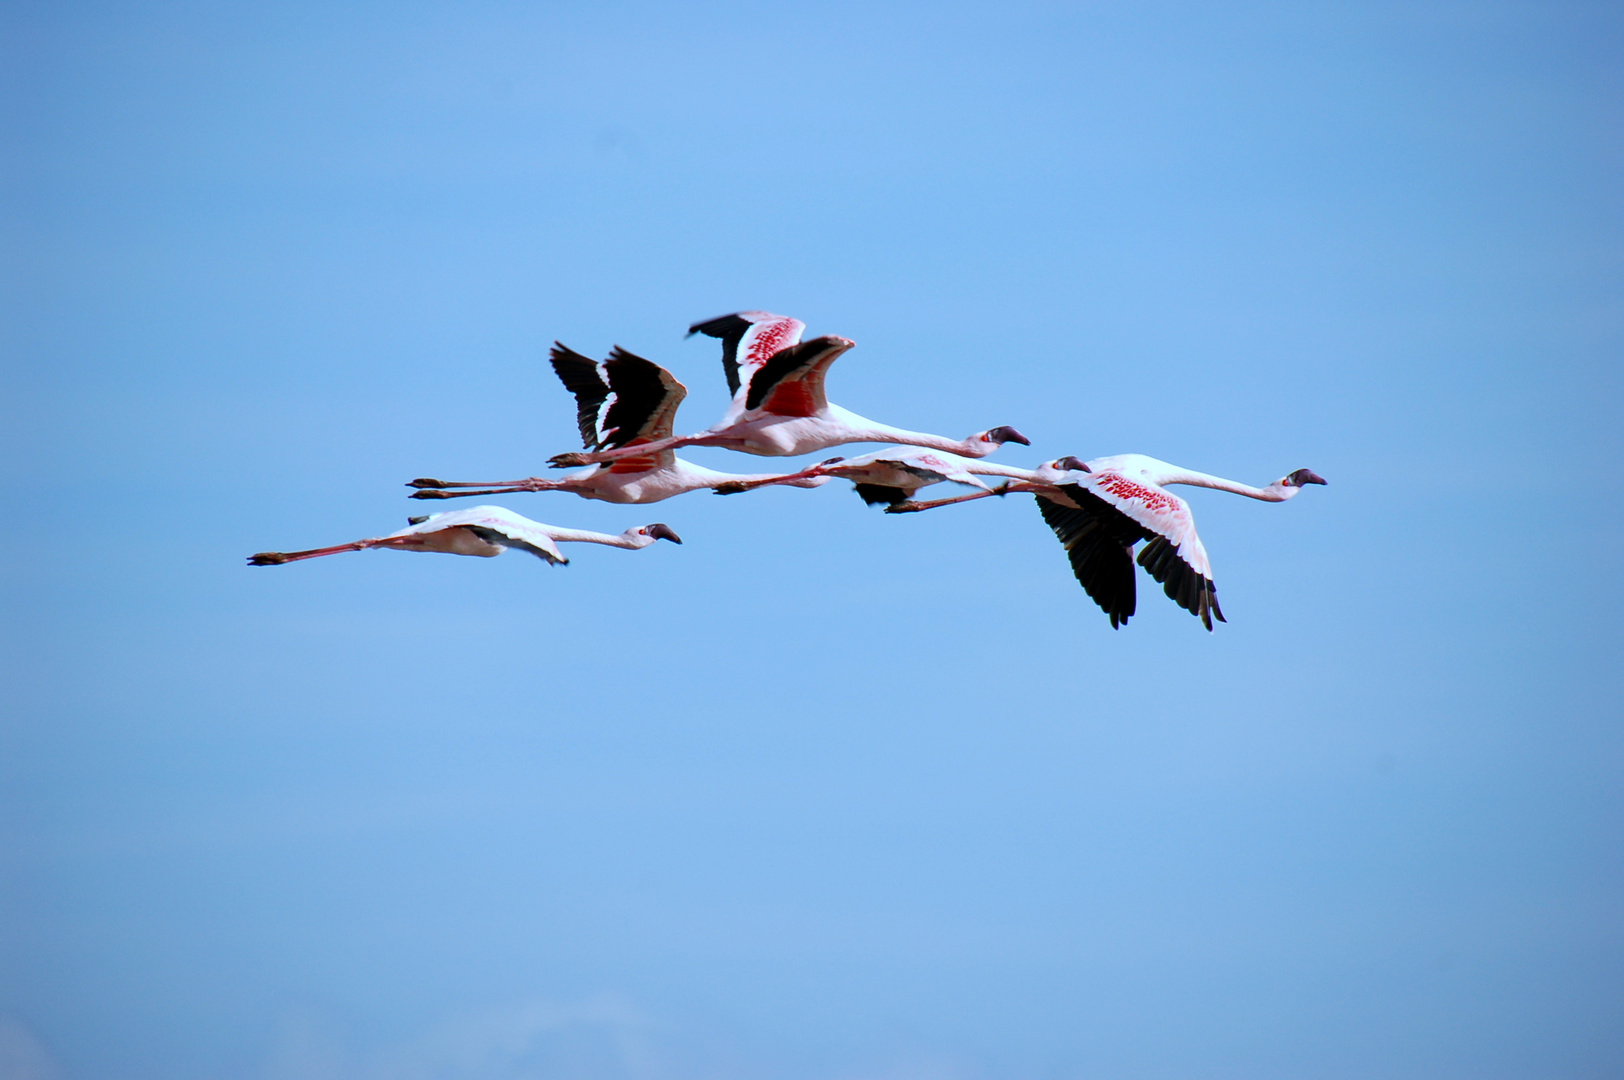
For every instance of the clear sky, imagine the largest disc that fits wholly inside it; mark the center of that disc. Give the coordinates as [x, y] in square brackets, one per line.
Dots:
[821, 794]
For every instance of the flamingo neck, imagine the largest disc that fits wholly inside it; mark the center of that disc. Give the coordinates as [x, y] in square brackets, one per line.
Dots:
[866, 430]
[1272, 493]
[624, 540]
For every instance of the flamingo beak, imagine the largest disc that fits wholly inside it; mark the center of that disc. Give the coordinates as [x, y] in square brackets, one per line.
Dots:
[661, 531]
[1306, 476]
[1008, 434]
[1072, 464]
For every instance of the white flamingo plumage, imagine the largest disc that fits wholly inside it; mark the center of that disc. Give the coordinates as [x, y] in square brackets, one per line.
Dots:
[780, 408]
[626, 401]
[483, 531]
[1101, 510]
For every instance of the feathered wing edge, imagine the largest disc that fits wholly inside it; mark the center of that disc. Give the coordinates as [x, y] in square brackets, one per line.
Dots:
[1099, 540]
[581, 377]
[805, 363]
[767, 333]
[644, 402]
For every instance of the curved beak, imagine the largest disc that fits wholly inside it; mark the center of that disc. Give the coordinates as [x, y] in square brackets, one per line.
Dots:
[1072, 464]
[1306, 476]
[1008, 434]
[661, 531]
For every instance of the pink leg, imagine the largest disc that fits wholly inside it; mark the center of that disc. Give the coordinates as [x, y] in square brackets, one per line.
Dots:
[910, 506]
[598, 457]
[434, 489]
[733, 487]
[277, 558]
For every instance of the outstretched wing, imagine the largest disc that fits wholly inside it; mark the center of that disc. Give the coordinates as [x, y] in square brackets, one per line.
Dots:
[644, 402]
[749, 339]
[791, 383]
[894, 474]
[580, 377]
[495, 525]
[1174, 557]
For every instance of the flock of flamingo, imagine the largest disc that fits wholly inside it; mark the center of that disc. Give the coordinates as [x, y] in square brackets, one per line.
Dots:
[626, 408]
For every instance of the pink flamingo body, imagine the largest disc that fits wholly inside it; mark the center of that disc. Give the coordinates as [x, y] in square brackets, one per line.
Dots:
[483, 532]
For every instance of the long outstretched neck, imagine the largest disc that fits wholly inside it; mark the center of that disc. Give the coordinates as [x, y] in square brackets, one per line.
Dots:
[1207, 480]
[866, 430]
[566, 536]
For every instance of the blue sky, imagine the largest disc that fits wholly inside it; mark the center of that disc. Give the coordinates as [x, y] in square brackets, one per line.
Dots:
[820, 794]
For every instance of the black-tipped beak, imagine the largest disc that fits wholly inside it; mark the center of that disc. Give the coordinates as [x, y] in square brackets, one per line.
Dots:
[1008, 434]
[1072, 464]
[1306, 476]
[662, 531]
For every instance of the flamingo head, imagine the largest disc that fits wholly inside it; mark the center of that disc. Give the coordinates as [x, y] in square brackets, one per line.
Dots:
[984, 443]
[1288, 486]
[647, 534]
[1067, 464]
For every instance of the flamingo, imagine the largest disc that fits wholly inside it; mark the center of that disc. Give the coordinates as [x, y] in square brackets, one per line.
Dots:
[782, 410]
[485, 531]
[891, 475]
[626, 401]
[1099, 512]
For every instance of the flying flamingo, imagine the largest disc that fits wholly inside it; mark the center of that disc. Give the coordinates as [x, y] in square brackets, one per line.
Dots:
[626, 401]
[782, 410]
[485, 531]
[1102, 510]
[893, 474]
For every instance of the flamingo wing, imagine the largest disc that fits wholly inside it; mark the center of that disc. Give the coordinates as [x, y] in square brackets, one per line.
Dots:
[791, 383]
[494, 525]
[749, 339]
[644, 403]
[581, 377]
[1099, 542]
[891, 476]
[1129, 511]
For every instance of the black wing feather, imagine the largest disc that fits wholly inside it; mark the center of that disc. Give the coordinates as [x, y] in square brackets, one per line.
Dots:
[580, 377]
[731, 329]
[1191, 591]
[875, 494]
[638, 394]
[1099, 541]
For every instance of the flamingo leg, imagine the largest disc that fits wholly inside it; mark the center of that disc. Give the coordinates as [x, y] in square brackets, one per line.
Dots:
[427, 482]
[733, 487]
[436, 489]
[277, 558]
[658, 446]
[910, 506]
